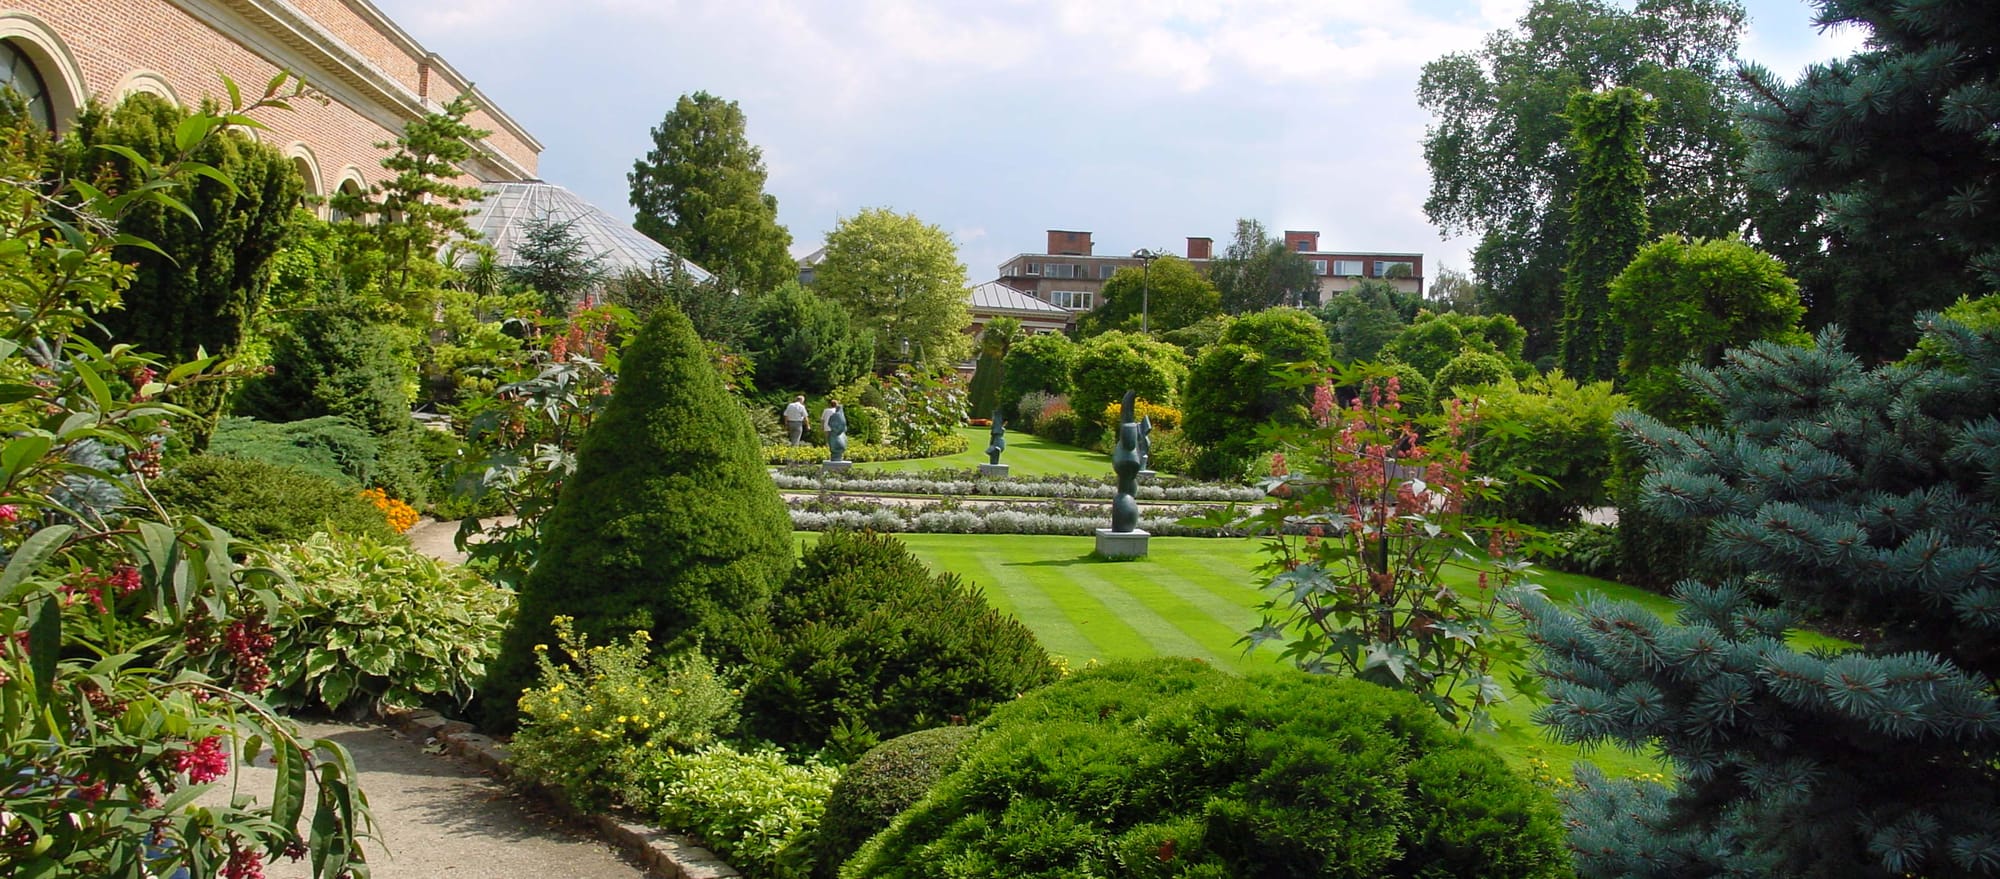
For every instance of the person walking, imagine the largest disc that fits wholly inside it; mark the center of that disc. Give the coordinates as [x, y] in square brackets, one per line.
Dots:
[795, 419]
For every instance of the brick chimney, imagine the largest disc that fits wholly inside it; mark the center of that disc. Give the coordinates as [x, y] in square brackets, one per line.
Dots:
[1062, 243]
[1201, 248]
[1300, 242]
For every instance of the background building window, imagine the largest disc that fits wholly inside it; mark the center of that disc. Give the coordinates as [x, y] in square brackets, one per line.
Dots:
[1105, 271]
[1347, 268]
[1078, 300]
[18, 72]
[1319, 266]
[1059, 270]
[1034, 268]
[1387, 269]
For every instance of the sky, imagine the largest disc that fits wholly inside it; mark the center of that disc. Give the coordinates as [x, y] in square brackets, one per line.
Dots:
[1141, 121]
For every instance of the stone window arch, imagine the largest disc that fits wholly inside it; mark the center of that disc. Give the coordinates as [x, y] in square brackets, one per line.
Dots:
[34, 58]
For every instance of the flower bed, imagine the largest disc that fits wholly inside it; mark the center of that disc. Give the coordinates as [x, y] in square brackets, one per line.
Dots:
[780, 454]
[947, 517]
[963, 483]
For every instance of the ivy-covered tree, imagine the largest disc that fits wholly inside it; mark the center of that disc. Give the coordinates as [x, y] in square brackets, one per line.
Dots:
[1869, 494]
[989, 372]
[1498, 169]
[1688, 301]
[804, 342]
[1607, 223]
[669, 524]
[1894, 147]
[700, 192]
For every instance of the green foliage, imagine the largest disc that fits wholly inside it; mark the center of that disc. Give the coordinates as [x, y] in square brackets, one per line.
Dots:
[1239, 384]
[122, 706]
[333, 361]
[1364, 595]
[721, 315]
[1169, 290]
[1498, 167]
[1686, 301]
[597, 712]
[804, 342]
[866, 644]
[1360, 320]
[1037, 363]
[1588, 549]
[1469, 369]
[362, 620]
[700, 192]
[1432, 340]
[753, 808]
[1978, 315]
[267, 502]
[1549, 441]
[1171, 768]
[419, 207]
[1256, 272]
[328, 446]
[923, 408]
[1831, 487]
[194, 296]
[1198, 335]
[1111, 364]
[891, 777]
[901, 279]
[865, 452]
[555, 262]
[1607, 223]
[1891, 152]
[669, 523]
[983, 394]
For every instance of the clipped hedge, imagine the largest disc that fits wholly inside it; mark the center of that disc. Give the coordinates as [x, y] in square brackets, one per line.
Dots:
[864, 453]
[891, 777]
[1169, 767]
[949, 517]
[865, 644]
[267, 502]
[962, 483]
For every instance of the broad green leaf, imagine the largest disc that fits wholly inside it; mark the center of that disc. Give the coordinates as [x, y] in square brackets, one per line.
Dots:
[21, 452]
[192, 130]
[29, 558]
[288, 797]
[45, 645]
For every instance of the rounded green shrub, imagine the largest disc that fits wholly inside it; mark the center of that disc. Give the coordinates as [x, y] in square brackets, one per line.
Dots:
[669, 525]
[1171, 768]
[1468, 369]
[865, 643]
[265, 502]
[891, 777]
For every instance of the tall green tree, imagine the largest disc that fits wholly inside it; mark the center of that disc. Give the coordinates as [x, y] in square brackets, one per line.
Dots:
[901, 279]
[1238, 385]
[1169, 290]
[1498, 170]
[1363, 318]
[1111, 364]
[1834, 488]
[1256, 272]
[669, 524]
[700, 192]
[1894, 147]
[403, 220]
[556, 263]
[989, 372]
[1036, 363]
[804, 342]
[1607, 223]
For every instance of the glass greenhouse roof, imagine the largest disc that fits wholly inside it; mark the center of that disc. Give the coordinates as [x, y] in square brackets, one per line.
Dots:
[508, 206]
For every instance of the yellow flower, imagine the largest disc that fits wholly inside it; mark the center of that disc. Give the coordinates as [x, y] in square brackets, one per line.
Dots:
[541, 648]
[563, 716]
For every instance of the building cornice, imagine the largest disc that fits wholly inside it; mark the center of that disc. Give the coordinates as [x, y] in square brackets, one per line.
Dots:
[331, 66]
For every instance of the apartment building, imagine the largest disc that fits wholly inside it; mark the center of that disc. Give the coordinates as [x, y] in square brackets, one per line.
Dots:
[1068, 274]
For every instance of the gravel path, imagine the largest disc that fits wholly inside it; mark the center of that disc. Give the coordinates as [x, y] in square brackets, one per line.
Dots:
[436, 815]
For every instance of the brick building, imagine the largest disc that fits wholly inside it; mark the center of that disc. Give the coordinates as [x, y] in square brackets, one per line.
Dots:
[1069, 275]
[64, 53]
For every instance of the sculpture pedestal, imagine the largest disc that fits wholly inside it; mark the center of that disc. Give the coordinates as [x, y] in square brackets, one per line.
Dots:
[835, 466]
[1146, 477]
[1121, 544]
[993, 471]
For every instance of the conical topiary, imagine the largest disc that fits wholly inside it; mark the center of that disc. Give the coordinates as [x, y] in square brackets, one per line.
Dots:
[670, 523]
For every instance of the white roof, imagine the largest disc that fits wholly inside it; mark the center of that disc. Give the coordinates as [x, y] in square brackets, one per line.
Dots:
[508, 205]
[995, 296]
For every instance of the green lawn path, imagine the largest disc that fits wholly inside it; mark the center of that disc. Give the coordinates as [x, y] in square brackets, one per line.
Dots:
[1196, 597]
[1026, 455]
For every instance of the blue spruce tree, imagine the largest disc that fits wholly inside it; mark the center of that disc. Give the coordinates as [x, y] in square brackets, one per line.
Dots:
[1869, 494]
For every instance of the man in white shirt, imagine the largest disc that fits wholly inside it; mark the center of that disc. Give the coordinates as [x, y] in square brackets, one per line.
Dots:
[795, 419]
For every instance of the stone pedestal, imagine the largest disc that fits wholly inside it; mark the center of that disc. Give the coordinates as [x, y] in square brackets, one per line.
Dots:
[835, 466]
[1121, 544]
[1146, 477]
[993, 471]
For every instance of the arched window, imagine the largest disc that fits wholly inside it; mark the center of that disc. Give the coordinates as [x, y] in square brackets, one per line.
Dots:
[349, 187]
[17, 71]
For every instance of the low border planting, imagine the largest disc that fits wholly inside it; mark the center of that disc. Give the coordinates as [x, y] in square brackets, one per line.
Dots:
[1060, 517]
[964, 483]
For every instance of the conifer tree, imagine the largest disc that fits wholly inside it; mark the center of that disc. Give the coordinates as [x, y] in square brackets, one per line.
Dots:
[1607, 223]
[1869, 494]
[669, 525]
[700, 192]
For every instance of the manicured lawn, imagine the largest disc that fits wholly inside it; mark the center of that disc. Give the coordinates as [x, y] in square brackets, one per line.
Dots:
[1026, 455]
[1196, 597]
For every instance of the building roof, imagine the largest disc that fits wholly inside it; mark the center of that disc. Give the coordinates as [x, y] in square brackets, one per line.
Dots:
[508, 206]
[995, 296]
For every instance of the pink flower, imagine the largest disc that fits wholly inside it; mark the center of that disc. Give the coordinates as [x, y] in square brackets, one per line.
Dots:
[1278, 464]
[203, 763]
[9, 514]
[243, 864]
[1322, 406]
[126, 579]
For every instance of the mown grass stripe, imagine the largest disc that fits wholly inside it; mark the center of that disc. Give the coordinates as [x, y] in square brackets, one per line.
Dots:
[1125, 593]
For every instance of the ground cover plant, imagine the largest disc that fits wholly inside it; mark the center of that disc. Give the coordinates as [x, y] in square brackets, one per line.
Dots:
[1169, 767]
[962, 483]
[1027, 455]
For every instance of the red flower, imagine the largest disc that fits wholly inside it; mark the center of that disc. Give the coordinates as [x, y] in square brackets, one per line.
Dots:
[203, 763]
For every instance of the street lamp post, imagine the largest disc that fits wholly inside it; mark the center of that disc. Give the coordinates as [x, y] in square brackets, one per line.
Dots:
[1145, 258]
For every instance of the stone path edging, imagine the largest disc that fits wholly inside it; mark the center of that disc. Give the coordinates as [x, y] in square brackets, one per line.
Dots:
[666, 855]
